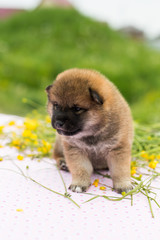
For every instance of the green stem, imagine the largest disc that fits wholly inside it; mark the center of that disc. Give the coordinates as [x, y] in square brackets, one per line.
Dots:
[64, 195]
[62, 179]
[131, 199]
[151, 199]
[149, 203]
[92, 199]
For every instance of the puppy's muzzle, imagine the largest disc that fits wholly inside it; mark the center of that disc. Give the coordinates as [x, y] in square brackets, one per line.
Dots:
[59, 124]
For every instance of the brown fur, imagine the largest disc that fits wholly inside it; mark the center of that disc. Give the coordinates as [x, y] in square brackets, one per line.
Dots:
[107, 134]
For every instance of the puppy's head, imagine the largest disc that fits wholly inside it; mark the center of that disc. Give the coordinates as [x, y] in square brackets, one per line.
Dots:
[74, 104]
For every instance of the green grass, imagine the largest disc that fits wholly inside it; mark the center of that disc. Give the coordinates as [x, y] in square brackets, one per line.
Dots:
[35, 46]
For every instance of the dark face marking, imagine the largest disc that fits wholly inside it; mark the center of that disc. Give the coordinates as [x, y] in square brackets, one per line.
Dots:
[67, 121]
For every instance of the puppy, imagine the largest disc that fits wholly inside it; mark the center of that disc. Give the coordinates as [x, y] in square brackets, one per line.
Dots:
[94, 128]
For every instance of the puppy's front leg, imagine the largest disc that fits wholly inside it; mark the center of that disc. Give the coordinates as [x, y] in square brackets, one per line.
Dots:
[119, 166]
[80, 167]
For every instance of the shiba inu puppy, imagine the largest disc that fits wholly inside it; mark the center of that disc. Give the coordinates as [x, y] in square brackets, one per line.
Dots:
[94, 128]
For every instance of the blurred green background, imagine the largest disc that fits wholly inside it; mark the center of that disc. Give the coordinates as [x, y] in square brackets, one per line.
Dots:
[35, 46]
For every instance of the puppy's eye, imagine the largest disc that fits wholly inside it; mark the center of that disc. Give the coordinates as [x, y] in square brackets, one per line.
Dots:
[55, 105]
[77, 109]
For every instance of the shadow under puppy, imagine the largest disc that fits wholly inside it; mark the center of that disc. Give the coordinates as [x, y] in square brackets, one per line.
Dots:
[94, 128]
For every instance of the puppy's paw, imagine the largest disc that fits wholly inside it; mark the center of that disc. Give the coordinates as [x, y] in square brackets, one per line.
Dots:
[63, 166]
[123, 187]
[78, 188]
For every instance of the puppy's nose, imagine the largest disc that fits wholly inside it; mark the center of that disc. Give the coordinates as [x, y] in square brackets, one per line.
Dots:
[59, 123]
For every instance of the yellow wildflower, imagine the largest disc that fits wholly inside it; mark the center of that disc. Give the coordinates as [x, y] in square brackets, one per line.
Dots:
[152, 157]
[158, 157]
[33, 136]
[1, 146]
[102, 188]
[95, 183]
[19, 210]
[46, 146]
[149, 138]
[20, 157]
[48, 119]
[1, 129]
[39, 149]
[123, 193]
[144, 155]
[133, 171]
[31, 124]
[44, 150]
[24, 100]
[1, 159]
[11, 123]
[27, 140]
[16, 142]
[26, 133]
[35, 142]
[153, 164]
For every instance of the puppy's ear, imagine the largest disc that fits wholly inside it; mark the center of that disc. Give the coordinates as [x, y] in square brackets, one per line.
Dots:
[95, 97]
[47, 88]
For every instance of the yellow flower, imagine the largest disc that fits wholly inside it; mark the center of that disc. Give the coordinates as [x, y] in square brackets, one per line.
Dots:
[153, 164]
[133, 171]
[44, 150]
[102, 188]
[48, 119]
[31, 124]
[95, 183]
[24, 100]
[1, 159]
[33, 136]
[1, 129]
[19, 210]
[20, 157]
[144, 155]
[27, 140]
[11, 123]
[26, 133]
[123, 193]
[158, 157]
[16, 142]
[1, 146]
[35, 142]
[46, 146]
[44, 142]
[149, 138]
[152, 157]
[39, 149]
